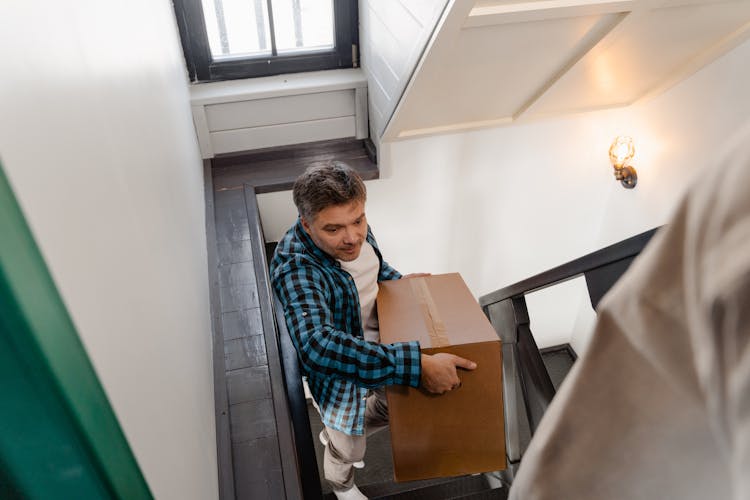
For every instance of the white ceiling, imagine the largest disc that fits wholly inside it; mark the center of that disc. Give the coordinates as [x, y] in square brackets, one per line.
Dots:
[491, 62]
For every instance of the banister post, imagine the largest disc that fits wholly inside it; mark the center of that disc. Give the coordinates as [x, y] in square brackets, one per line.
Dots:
[523, 368]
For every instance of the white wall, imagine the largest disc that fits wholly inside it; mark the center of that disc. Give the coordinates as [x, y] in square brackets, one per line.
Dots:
[500, 205]
[678, 134]
[97, 140]
[255, 113]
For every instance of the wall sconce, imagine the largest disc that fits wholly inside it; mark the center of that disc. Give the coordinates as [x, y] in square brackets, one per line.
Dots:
[620, 153]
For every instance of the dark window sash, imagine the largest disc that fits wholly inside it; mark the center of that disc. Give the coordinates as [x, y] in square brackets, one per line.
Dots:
[203, 68]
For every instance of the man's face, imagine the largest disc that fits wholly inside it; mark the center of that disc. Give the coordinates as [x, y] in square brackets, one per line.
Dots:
[339, 230]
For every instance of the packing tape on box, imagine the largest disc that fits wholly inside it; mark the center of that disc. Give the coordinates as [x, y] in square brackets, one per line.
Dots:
[435, 324]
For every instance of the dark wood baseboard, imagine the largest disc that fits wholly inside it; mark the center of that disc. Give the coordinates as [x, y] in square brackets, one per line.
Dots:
[560, 348]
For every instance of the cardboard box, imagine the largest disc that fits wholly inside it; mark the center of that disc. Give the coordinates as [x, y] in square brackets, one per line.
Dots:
[462, 431]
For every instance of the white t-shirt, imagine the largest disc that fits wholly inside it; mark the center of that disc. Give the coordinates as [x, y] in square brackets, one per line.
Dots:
[364, 269]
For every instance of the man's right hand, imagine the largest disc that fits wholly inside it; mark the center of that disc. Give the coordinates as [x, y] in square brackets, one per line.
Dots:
[439, 373]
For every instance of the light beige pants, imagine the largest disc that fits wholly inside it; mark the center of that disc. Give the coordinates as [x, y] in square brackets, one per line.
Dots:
[344, 450]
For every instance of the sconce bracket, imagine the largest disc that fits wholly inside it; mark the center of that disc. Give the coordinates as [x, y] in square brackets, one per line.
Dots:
[627, 177]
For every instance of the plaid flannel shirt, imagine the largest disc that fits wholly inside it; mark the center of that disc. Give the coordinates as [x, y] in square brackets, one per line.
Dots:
[322, 310]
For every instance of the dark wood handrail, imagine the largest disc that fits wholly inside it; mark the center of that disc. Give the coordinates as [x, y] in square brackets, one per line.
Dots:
[618, 251]
[298, 410]
[523, 367]
[289, 444]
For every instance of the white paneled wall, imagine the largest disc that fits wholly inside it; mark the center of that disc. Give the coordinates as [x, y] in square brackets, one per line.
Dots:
[393, 35]
[243, 115]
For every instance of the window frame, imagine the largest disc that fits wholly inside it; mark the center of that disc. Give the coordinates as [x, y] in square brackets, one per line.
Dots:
[203, 68]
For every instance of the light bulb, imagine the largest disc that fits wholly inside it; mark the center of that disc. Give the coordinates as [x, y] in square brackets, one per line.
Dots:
[621, 151]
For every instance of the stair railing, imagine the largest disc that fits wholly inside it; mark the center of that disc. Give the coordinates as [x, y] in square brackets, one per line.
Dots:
[527, 387]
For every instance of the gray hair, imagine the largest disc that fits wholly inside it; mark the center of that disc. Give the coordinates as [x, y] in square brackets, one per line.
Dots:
[322, 186]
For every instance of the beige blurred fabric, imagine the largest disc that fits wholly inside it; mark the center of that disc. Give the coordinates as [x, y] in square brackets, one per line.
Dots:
[658, 407]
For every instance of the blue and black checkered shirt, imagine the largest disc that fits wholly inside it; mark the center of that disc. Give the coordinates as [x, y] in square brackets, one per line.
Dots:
[322, 310]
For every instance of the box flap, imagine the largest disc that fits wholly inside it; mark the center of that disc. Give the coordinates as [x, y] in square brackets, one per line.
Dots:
[437, 310]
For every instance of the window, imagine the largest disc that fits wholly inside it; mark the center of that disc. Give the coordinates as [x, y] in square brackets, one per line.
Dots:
[228, 39]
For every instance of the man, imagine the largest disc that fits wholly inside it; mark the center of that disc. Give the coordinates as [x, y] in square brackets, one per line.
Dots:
[659, 404]
[325, 272]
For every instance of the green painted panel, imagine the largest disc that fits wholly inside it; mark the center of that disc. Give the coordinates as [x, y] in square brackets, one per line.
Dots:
[59, 437]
